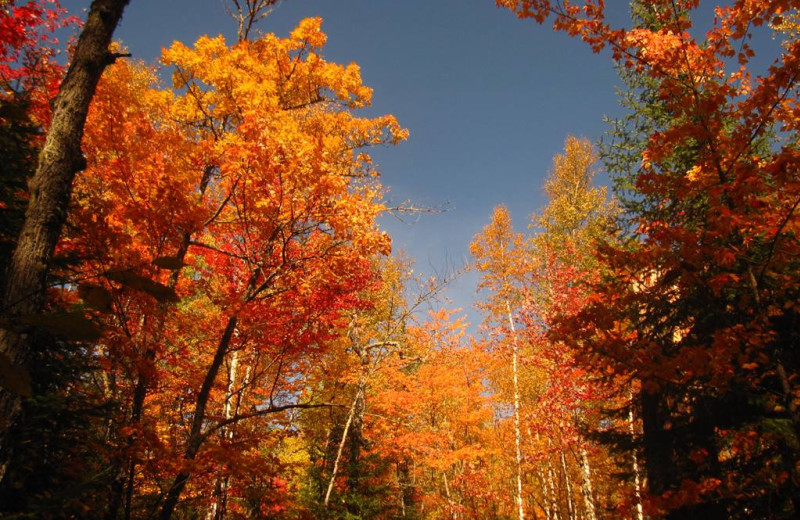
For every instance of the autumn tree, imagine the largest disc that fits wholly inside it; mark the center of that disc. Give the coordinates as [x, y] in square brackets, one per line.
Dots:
[576, 216]
[348, 476]
[622, 155]
[432, 418]
[242, 193]
[577, 212]
[500, 257]
[50, 186]
[28, 72]
[700, 301]
[356, 469]
[52, 459]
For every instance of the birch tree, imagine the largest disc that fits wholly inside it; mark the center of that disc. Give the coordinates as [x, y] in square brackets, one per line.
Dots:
[500, 257]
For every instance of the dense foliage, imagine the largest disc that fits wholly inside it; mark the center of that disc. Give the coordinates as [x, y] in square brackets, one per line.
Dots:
[227, 335]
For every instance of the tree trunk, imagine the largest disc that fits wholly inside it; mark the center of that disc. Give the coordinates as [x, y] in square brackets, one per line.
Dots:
[405, 486]
[545, 503]
[552, 499]
[637, 479]
[450, 502]
[657, 444]
[514, 363]
[50, 191]
[586, 486]
[229, 409]
[196, 433]
[548, 513]
[351, 414]
[568, 487]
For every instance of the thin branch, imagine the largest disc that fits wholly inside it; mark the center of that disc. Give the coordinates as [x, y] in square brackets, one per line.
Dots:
[265, 411]
[197, 243]
[774, 241]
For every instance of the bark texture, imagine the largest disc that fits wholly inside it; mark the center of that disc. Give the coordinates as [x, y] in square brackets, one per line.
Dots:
[586, 486]
[50, 191]
[637, 477]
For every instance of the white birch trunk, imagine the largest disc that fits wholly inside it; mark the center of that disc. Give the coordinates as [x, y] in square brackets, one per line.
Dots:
[548, 514]
[637, 479]
[553, 498]
[568, 485]
[336, 461]
[453, 513]
[514, 362]
[586, 486]
[222, 483]
[541, 477]
[400, 485]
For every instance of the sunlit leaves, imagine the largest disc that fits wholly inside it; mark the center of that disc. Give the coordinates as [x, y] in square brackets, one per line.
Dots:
[28, 64]
[694, 303]
[240, 195]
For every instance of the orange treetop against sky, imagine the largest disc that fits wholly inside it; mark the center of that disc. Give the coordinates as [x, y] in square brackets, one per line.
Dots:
[486, 99]
[253, 341]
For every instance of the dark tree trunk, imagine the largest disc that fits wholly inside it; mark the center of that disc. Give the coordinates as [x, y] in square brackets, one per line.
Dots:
[50, 191]
[657, 444]
[196, 434]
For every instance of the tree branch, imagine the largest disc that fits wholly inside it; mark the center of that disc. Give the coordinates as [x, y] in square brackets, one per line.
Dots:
[265, 411]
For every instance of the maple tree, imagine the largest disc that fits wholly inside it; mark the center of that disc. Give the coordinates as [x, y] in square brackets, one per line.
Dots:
[696, 307]
[252, 204]
[28, 50]
[230, 338]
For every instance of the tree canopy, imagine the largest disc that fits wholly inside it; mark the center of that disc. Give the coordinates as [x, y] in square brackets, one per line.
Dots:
[203, 315]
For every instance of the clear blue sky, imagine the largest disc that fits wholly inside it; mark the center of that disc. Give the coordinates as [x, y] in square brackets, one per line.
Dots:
[488, 100]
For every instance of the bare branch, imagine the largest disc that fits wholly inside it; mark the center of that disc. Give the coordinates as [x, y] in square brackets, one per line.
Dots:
[265, 411]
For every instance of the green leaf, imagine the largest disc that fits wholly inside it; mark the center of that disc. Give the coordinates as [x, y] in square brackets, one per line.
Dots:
[158, 291]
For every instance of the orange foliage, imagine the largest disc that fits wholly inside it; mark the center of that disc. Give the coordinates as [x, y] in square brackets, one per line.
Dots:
[242, 194]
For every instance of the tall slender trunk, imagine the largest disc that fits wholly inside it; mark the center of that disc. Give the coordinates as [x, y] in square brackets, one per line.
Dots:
[196, 433]
[553, 496]
[450, 501]
[351, 414]
[586, 485]
[517, 436]
[637, 479]
[217, 509]
[548, 512]
[657, 443]
[404, 484]
[50, 191]
[568, 486]
[540, 476]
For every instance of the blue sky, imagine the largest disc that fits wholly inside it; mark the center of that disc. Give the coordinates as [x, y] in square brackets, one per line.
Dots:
[488, 100]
